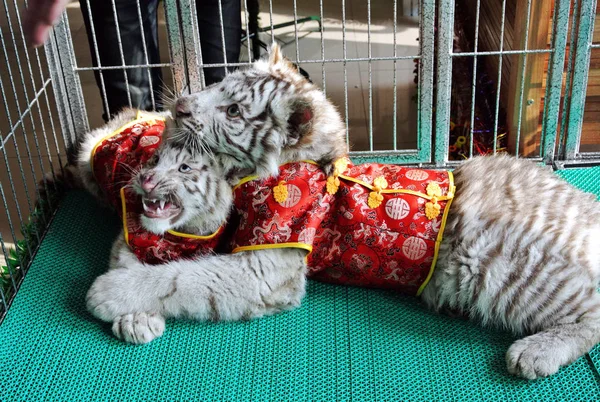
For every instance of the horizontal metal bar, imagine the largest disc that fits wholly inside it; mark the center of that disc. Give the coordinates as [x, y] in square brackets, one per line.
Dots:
[501, 52]
[25, 112]
[399, 152]
[595, 46]
[575, 163]
[127, 67]
[168, 65]
[320, 61]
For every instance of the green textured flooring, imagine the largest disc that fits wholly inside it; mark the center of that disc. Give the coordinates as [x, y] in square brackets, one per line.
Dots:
[343, 343]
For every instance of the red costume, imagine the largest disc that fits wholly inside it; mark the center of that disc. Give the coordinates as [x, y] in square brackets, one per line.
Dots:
[113, 161]
[369, 225]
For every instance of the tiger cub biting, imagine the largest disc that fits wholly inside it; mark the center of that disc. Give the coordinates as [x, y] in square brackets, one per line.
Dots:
[520, 247]
[173, 202]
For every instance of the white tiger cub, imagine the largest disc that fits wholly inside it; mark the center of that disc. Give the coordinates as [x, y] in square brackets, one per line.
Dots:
[181, 191]
[520, 249]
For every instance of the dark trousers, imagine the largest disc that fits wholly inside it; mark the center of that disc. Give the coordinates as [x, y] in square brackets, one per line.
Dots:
[139, 79]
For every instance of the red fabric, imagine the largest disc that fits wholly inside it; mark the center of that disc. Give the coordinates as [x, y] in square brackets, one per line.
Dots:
[117, 157]
[390, 246]
[114, 160]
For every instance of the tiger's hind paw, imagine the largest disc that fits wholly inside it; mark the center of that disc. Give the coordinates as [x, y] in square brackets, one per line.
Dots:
[138, 328]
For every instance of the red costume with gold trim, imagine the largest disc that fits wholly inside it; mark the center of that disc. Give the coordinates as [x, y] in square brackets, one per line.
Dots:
[113, 161]
[368, 225]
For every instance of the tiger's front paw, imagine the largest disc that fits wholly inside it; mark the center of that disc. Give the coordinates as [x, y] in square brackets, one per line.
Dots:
[114, 294]
[139, 328]
[533, 358]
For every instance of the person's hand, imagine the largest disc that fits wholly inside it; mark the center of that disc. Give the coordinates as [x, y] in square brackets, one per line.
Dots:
[39, 17]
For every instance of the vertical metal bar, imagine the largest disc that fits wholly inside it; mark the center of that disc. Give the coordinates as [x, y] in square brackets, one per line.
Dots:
[580, 78]
[223, 35]
[554, 80]
[146, 59]
[499, 79]
[321, 25]
[474, 83]
[120, 43]
[444, 80]
[425, 116]
[370, 75]
[64, 64]
[522, 88]
[97, 53]
[295, 31]
[191, 35]
[567, 93]
[345, 54]
[395, 89]
[176, 47]
[61, 97]
[247, 18]
[271, 22]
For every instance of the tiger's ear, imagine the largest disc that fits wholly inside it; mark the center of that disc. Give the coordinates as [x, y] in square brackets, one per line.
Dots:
[275, 55]
[300, 121]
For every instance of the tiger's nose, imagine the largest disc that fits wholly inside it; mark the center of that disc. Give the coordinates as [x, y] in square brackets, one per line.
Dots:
[182, 108]
[147, 182]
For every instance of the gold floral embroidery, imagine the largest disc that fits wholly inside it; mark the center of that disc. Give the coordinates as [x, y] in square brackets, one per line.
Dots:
[333, 182]
[280, 192]
[432, 208]
[434, 189]
[375, 197]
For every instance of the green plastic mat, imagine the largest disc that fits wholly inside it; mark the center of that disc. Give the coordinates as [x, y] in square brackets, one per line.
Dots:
[343, 343]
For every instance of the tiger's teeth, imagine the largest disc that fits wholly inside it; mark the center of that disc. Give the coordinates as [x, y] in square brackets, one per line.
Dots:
[162, 204]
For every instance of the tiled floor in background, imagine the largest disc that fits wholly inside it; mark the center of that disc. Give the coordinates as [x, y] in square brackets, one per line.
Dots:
[365, 110]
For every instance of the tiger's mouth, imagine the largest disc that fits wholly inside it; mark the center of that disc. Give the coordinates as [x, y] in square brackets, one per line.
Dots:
[161, 208]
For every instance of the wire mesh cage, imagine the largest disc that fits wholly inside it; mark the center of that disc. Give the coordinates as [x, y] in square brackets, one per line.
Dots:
[417, 81]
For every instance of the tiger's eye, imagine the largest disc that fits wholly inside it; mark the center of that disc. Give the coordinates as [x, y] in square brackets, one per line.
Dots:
[184, 168]
[233, 111]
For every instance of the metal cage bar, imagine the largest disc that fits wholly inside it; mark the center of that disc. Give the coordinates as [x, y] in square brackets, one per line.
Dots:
[554, 81]
[444, 80]
[583, 51]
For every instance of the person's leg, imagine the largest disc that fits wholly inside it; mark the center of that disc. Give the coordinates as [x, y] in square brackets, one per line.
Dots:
[131, 84]
[211, 42]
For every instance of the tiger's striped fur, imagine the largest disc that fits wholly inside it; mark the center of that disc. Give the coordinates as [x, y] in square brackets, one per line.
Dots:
[520, 250]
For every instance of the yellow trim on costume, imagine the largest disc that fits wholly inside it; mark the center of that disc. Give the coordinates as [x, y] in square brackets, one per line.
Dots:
[449, 196]
[172, 232]
[244, 181]
[440, 236]
[139, 117]
[124, 219]
[197, 237]
[302, 246]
